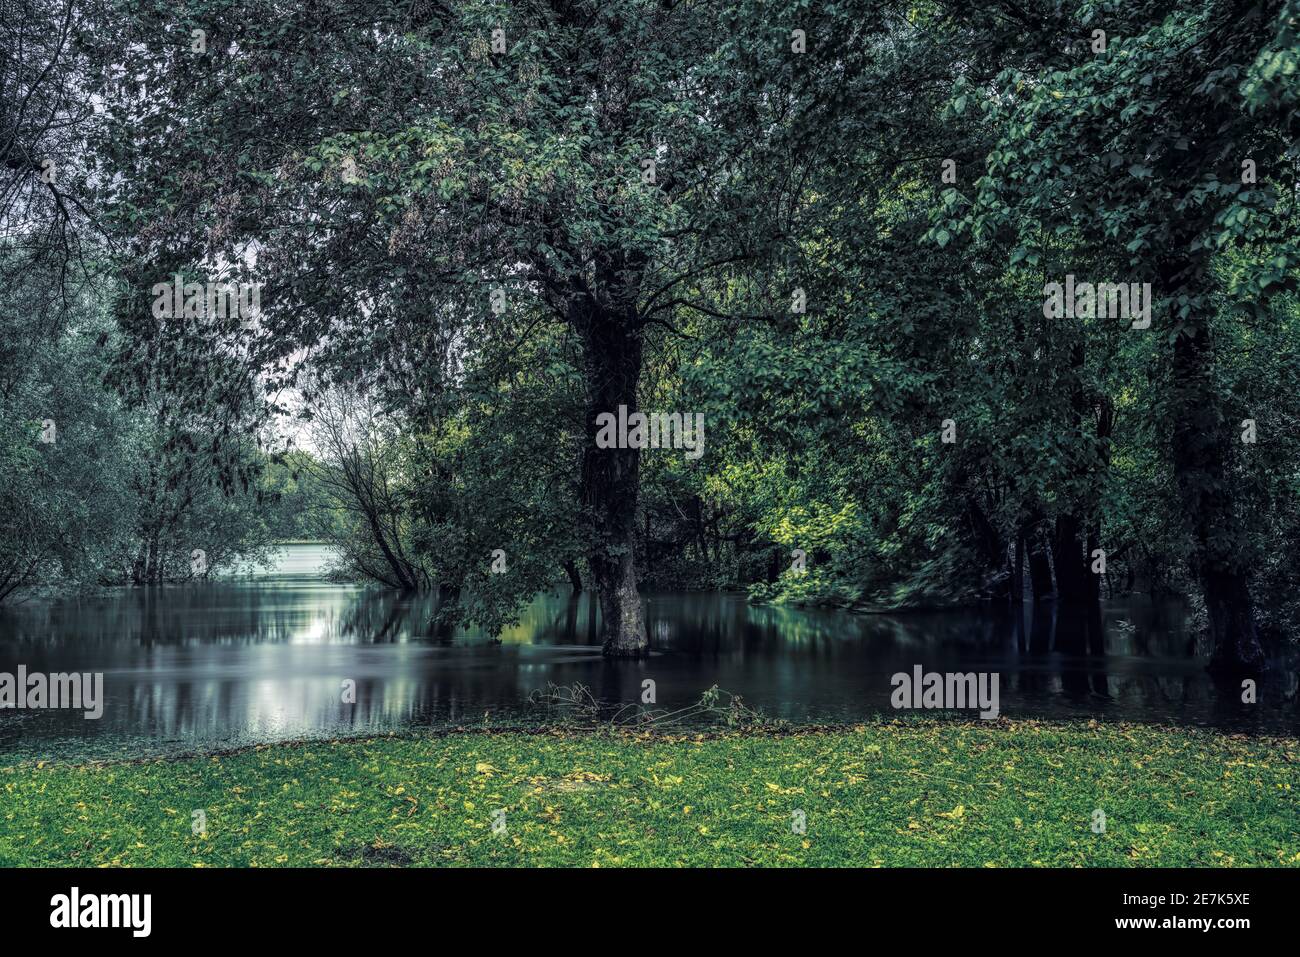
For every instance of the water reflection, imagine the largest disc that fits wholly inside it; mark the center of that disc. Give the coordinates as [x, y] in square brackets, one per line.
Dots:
[225, 664]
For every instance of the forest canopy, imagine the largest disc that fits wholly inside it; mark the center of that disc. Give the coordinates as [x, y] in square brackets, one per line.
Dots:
[972, 303]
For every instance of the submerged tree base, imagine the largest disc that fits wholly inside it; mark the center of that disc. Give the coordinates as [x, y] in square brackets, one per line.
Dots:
[616, 649]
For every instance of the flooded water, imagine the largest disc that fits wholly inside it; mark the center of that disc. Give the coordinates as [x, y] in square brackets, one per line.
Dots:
[263, 659]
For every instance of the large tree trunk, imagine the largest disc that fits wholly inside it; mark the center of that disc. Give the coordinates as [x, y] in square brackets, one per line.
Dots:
[1232, 621]
[1071, 566]
[1040, 566]
[611, 477]
[1201, 454]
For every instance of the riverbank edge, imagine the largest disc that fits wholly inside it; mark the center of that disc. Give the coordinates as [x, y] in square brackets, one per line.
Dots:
[1000, 793]
[763, 728]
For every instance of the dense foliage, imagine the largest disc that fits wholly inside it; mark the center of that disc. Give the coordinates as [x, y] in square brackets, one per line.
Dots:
[830, 230]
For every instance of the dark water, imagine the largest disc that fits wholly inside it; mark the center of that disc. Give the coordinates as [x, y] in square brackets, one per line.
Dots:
[227, 664]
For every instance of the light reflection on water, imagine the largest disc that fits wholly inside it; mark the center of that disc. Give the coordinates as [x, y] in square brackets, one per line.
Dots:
[225, 664]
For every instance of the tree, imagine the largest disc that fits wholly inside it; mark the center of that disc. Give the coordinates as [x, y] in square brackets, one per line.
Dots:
[607, 161]
[360, 468]
[1142, 144]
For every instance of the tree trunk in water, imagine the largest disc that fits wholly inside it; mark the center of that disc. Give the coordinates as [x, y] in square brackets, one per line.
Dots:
[1105, 427]
[1201, 454]
[993, 552]
[611, 476]
[401, 576]
[1040, 568]
[1071, 566]
[1232, 622]
[1094, 578]
[575, 579]
[1018, 571]
[1075, 586]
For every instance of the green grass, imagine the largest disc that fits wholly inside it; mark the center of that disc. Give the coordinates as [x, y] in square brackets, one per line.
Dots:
[930, 793]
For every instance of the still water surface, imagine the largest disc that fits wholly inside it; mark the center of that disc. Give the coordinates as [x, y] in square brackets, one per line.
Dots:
[263, 659]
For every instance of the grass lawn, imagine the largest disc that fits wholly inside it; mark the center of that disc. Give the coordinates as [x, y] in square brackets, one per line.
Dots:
[924, 792]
